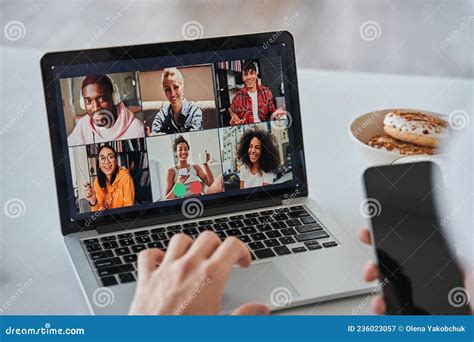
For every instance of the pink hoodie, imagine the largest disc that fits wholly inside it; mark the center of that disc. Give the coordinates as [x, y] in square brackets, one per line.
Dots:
[126, 127]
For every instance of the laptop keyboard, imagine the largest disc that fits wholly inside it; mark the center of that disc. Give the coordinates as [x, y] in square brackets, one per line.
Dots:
[267, 233]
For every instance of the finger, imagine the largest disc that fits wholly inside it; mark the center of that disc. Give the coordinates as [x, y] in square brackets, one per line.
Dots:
[364, 236]
[253, 309]
[378, 305]
[148, 260]
[232, 251]
[371, 271]
[205, 245]
[178, 246]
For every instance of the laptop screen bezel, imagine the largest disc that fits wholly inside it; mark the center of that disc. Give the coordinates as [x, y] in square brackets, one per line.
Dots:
[157, 215]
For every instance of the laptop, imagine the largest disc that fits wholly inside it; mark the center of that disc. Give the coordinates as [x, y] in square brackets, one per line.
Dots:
[152, 140]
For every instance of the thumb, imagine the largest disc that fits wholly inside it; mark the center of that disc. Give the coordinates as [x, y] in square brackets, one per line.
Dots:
[251, 309]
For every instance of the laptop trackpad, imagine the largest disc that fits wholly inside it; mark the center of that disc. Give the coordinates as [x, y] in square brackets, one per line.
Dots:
[263, 283]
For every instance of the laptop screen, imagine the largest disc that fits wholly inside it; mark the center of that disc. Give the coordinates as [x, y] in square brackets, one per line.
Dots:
[154, 132]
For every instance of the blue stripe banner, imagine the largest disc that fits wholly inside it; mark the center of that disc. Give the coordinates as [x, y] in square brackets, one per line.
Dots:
[228, 328]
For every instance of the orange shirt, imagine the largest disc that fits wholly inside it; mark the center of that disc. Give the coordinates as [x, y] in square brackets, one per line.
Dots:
[119, 194]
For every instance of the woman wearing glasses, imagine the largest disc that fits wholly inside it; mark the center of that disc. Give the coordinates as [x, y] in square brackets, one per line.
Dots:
[113, 187]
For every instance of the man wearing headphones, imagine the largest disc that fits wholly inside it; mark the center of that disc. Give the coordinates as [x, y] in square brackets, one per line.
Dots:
[107, 117]
[254, 102]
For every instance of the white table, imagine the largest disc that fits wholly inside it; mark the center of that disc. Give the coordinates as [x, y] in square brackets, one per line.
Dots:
[31, 246]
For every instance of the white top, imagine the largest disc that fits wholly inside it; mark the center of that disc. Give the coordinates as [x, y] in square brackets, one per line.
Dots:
[253, 96]
[250, 180]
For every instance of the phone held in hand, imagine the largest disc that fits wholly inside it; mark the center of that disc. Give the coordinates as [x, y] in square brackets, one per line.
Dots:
[418, 270]
[183, 172]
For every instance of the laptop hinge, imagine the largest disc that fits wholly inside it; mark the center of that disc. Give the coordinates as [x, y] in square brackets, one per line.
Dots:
[243, 206]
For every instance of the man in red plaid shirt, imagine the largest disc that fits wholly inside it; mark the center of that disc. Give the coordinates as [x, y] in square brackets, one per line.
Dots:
[254, 102]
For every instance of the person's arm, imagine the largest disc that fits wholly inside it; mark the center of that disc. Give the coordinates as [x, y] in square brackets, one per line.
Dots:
[190, 269]
[99, 197]
[128, 190]
[242, 185]
[169, 184]
[235, 111]
[207, 177]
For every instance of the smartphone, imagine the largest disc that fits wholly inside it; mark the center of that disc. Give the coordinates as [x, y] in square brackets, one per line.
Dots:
[419, 274]
[183, 172]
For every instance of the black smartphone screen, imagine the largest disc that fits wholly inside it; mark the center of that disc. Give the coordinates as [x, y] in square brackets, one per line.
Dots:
[418, 272]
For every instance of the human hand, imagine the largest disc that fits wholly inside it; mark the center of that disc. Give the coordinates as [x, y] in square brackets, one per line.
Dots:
[90, 193]
[190, 278]
[279, 113]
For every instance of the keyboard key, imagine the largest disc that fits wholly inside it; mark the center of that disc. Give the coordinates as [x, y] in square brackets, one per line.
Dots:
[143, 239]
[93, 248]
[141, 233]
[236, 224]
[236, 217]
[281, 250]
[165, 243]
[130, 258]
[298, 214]
[90, 241]
[250, 215]
[101, 255]
[107, 262]
[122, 251]
[205, 222]
[221, 220]
[174, 227]
[252, 256]
[190, 225]
[138, 248]
[234, 232]
[190, 231]
[273, 234]
[293, 223]
[126, 242]
[158, 230]
[154, 245]
[249, 230]
[308, 228]
[108, 238]
[256, 245]
[313, 242]
[124, 235]
[115, 270]
[311, 236]
[296, 208]
[244, 238]
[170, 234]
[222, 235]
[265, 219]
[220, 226]
[266, 212]
[329, 244]
[126, 278]
[158, 237]
[278, 225]
[108, 281]
[282, 210]
[271, 243]
[313, 247]
[258, 236]
[288, 231]
[280, 217]
[250, 222]
[287, 240]
[264, 253]
[110, 244]
[307, 219]
[203, 228]
[298, 249]
[263, 227]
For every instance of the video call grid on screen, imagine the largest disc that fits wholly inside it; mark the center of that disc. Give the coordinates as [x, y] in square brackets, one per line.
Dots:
[146, 163]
